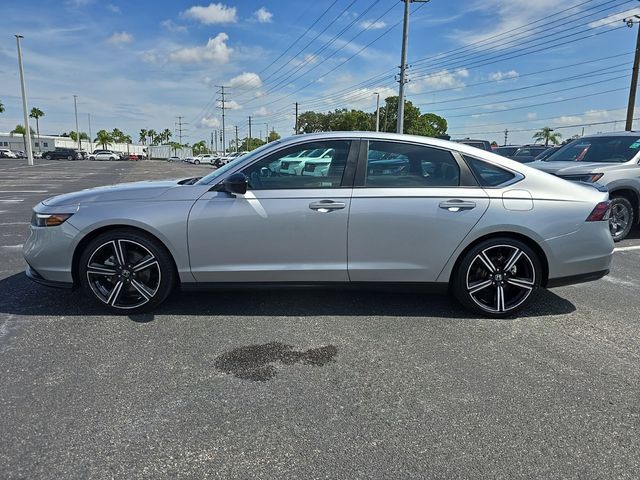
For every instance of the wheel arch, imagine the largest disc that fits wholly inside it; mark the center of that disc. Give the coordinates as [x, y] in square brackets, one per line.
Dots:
[77, 253]
[530, 242]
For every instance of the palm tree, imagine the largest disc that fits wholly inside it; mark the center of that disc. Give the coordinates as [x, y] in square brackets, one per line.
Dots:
[143, 136]
[37, 113]
[103, 138]
[199, 147]
[166, 134]
[1, 107]
[20, 130]
[73, 135]
[175, 146]
[547, 135]
[153, 136]
[118, 136]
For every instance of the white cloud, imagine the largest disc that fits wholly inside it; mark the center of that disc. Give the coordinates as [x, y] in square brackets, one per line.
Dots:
[120, 38]
[173, 27]
[212, 14]
[229, 105]
[365, 98]
[532, 116]
[372, 25]
[209, 122]
[113, 8]
[439, 80]
[598, 115]
[263, 15]
[497, 76]
[261, 112]
[614, 21]
[216, 50]
[245, 80]
[568, 120]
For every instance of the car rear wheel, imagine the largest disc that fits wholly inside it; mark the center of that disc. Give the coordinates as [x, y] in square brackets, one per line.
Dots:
[127, 271]
[621, 219]
[196, 162]
[47, 157]
[497, 277]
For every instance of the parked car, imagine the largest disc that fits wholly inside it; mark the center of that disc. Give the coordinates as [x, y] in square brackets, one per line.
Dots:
[528, 153]
[6, 153]
[174, 159]
[506, 150]
[62, 154]
[20, 154]
[547, 153]
[295, 165]
[347, 228]
[611, 160]
[204, 158]
[481, 144]
[104, 155]
[230, 157]
[133, 157]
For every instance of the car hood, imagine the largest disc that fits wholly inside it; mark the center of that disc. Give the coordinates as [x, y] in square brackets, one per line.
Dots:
[122, 192]
[571, 168]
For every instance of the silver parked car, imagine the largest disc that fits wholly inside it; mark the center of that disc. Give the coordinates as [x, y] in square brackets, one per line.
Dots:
[491, 230]
[611, 160]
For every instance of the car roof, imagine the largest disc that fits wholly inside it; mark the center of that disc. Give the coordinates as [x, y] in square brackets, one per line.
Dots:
[613, 134]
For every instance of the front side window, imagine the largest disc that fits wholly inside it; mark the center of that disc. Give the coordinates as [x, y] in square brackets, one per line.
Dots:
[398, 165]
[311, 165]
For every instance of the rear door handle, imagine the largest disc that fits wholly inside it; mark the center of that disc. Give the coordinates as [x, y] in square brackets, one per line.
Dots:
[325, 206]
[457, 205]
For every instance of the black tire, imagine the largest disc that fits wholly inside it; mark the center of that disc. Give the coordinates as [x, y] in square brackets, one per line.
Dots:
[518, 283]
[196, 162]
[47, 157]
[111, 159]
[622, 218]
[69, 157]
[139, 284]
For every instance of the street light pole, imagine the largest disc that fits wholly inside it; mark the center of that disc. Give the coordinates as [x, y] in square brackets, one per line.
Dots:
[75, 107]
[24, 104]
[377, 111]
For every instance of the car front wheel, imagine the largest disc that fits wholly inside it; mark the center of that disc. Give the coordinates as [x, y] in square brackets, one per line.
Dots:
[197, 162]
[47, 157]
[127, 271]
[497, 277]
[621, 218]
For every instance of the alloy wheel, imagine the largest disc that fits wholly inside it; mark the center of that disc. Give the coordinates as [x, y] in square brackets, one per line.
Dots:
[123, 274]
[619, 220]
[500, 278]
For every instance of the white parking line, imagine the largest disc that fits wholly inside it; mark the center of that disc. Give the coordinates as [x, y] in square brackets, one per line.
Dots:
[626, 249]
[13, 200]
[24, 191]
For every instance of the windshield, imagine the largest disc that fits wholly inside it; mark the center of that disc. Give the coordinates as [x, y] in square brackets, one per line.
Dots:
[213, 176]
[505, 150]
[614, 149]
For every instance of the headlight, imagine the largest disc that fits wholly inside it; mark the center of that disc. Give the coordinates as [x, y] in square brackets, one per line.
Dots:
[49, 219]
[589, 177]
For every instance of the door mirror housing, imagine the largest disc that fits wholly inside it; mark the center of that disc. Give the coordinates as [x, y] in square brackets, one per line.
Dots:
[236, 184]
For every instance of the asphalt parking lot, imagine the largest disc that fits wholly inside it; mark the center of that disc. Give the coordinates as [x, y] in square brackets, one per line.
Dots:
[308, 384]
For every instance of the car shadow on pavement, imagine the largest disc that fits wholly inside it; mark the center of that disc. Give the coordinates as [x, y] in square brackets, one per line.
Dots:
[20, 296]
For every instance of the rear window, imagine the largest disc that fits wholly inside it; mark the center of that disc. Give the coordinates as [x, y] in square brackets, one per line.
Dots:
[487, 174]
[614, 149]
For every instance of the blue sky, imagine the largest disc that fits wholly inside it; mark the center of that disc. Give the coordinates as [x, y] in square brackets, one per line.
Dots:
[141, 64]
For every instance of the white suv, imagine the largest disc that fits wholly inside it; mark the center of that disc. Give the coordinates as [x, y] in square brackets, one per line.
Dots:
[6, 153]
[104, 155]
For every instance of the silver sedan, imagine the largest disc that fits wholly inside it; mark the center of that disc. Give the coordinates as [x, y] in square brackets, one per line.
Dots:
[392, 209]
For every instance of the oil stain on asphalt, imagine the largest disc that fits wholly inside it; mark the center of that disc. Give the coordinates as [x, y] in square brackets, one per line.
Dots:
[256, 362]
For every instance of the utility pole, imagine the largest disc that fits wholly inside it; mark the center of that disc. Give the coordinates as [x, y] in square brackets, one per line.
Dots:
[267, 125]
[236, 138]
[90, 136]
[249, 142]
[377, 111]
[506, 135]
[75, 107]
[180, 129]
[24, 104]
[634, 74]
[296, 129]
[403, 64]
[222, 106]
[215, 138]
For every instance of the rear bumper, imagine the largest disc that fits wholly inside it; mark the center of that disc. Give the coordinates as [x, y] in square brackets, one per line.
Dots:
[573, 279]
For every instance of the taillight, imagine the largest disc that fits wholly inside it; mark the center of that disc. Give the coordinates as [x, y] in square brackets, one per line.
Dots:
[600, 213]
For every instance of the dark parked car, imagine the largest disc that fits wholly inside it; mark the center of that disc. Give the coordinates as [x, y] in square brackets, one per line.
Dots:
[528, 153]
[547, 153]
[507, 150]
[62, 154]
[481, 144]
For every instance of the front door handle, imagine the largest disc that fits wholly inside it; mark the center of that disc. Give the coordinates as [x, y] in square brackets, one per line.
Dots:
[325, 206]
[457, 205]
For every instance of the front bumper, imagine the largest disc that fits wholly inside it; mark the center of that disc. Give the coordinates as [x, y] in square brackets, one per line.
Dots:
[36, 277]
[49, 252]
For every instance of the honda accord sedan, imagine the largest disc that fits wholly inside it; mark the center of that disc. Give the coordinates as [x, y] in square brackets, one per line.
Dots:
[488, 229]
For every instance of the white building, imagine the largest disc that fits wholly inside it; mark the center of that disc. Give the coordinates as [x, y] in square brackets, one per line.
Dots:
[49, 142]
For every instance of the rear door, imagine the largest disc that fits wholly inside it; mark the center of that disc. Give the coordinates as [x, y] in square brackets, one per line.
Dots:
[412, 205]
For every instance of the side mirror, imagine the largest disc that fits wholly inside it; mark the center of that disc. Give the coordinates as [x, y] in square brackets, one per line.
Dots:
[264, 172]
[236, 184]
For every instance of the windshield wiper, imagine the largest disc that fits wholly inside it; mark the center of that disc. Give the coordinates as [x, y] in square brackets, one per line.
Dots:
[189, 181]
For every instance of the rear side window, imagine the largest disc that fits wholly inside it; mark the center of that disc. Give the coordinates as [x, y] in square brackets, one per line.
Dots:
[487, 174]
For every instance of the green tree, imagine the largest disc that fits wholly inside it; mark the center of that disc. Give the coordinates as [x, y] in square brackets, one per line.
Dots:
[273, 136]
[1, 107]
[103, 138]
[166, 135]
[74, 136]
[349, 120]
[20, 130]
[311, 122]
[249, 144]
[175, 146]
[547, 135]
[152, 136]
[143, 136]
[200, 147]
[37, 113]
[118, 136]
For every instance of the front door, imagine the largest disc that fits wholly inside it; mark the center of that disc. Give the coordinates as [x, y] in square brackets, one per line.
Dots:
[286, 228]
[412, 205]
